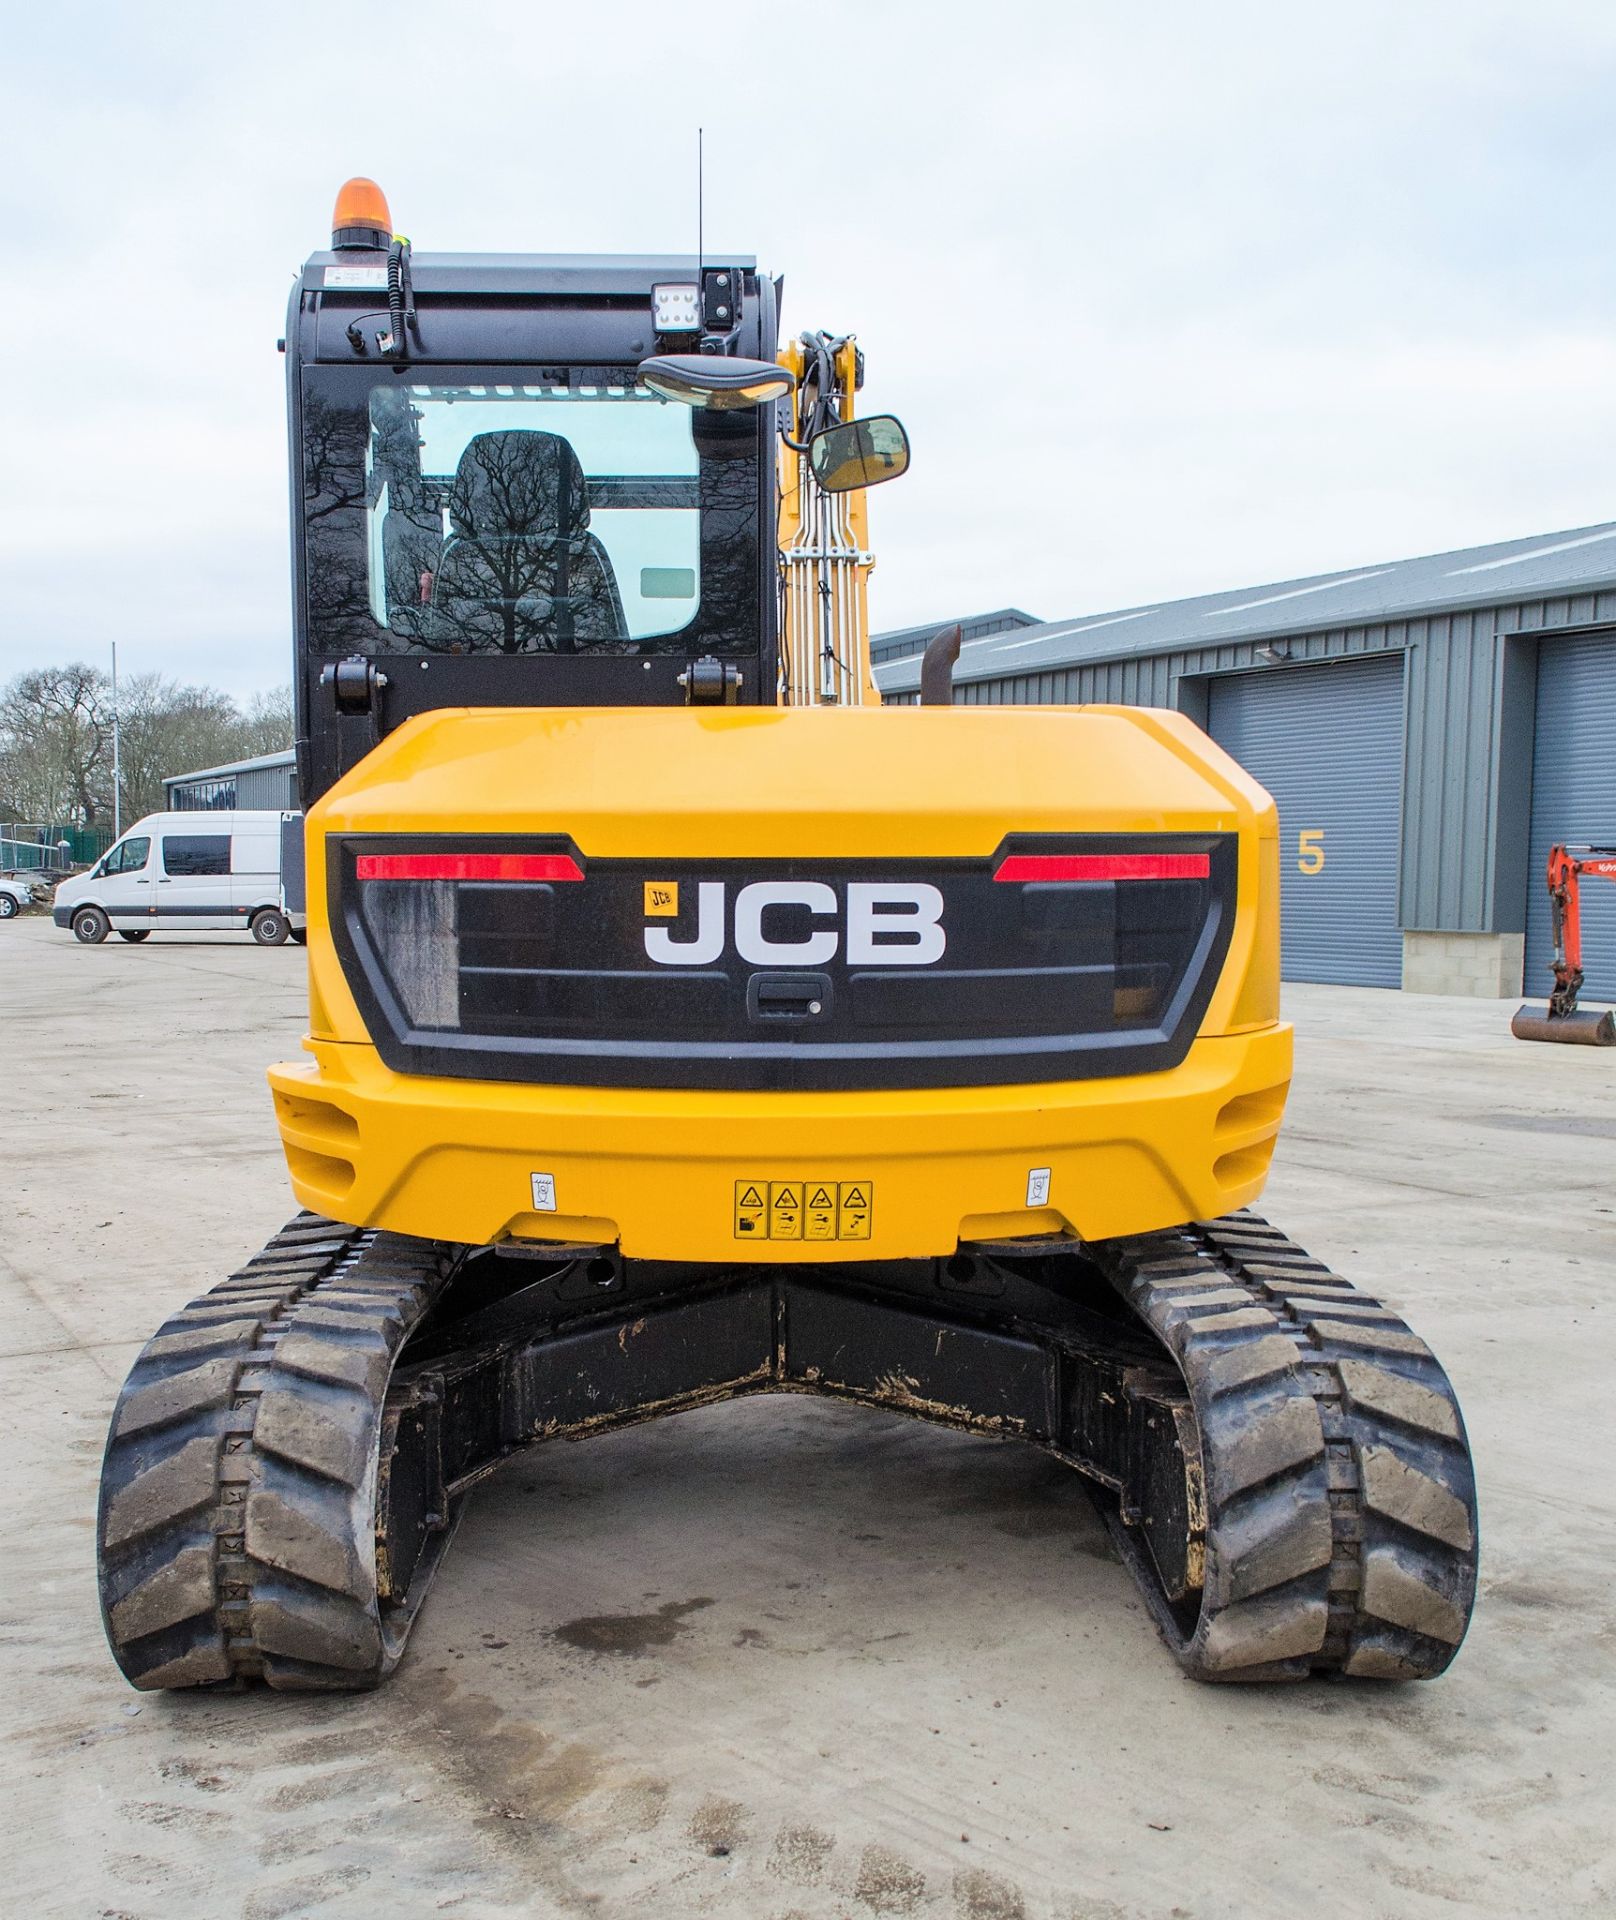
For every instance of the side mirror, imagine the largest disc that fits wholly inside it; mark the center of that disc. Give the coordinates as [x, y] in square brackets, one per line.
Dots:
[860, 453]
[715, 380]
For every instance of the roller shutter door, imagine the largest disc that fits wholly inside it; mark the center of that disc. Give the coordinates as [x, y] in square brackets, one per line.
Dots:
[1327, 743]
[1574, 799]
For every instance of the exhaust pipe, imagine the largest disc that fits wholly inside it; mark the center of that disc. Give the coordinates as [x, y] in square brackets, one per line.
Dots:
[1574, 1029]
[937, 668]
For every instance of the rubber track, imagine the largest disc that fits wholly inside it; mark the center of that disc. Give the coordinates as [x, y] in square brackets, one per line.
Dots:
[1340, 1498]
[237, 1517]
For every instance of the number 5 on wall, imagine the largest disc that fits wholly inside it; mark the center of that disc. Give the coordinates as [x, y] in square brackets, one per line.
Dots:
[1310, 851]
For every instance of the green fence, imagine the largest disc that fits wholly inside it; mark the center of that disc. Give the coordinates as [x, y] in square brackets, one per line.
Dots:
[28, 844]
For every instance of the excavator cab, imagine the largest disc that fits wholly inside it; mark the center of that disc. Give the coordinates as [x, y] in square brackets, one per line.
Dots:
[491, 508]
[683, 1025]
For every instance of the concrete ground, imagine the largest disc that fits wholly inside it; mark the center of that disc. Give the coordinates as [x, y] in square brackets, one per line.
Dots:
[780, 1659]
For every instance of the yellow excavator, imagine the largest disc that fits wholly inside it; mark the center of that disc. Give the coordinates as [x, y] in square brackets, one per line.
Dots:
[684, 1025]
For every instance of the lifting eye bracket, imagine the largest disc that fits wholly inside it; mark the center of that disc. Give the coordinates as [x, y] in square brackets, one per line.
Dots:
[708, 682]
[355, 683]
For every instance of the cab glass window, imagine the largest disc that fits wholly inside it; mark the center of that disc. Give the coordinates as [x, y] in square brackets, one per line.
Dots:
[529, 519]
[129, 856]
[567, 513]
[190, 854]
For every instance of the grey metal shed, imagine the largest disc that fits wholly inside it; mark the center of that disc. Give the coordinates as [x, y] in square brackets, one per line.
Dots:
[1469, 628]
[268, 782]
[1327, 743]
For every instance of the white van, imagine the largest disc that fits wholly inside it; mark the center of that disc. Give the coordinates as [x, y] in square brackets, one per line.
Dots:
[185, 873]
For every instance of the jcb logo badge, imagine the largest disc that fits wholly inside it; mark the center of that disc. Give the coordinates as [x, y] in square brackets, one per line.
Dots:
[898, 925]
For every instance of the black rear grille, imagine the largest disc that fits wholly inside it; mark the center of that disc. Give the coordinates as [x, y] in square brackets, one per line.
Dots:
[885, 973]
[617, 1005]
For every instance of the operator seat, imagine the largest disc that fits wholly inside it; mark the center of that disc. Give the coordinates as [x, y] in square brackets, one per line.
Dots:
[521, 572]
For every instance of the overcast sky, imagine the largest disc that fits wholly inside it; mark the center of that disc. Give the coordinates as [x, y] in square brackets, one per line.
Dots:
[1171, 298]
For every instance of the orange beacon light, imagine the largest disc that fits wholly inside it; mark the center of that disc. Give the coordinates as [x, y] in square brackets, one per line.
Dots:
[361, 217]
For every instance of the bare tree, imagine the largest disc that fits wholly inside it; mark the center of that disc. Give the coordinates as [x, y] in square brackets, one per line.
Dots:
[166, 728]
[56, 745]
[56, 740]
[268, 724]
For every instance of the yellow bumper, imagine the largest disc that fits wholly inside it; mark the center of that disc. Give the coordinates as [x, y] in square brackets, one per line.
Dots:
[728, 1176]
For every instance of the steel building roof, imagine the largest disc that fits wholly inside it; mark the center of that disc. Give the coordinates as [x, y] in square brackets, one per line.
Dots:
[1535, 568]
[285, 758]
[996, 621]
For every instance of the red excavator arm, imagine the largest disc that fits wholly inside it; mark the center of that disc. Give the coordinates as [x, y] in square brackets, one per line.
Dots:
[1567, 866]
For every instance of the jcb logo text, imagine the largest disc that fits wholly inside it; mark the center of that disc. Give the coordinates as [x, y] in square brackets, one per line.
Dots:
[886, 926]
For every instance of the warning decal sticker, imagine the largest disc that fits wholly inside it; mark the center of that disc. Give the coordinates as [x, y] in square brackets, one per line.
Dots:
[853, 1210]
[751, 1210]
[785, 1210]
[803, 1209]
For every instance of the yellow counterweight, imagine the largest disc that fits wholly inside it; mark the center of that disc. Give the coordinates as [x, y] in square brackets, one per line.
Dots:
[719, 1174]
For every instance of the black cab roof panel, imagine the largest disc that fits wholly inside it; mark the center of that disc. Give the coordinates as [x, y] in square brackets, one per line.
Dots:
[519, 273]
[513, 310]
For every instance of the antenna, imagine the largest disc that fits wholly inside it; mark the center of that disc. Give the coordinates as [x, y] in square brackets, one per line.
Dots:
[700, 250]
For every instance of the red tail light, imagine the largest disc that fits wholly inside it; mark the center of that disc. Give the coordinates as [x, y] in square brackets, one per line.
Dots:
[468, 866]
[1024, 867]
